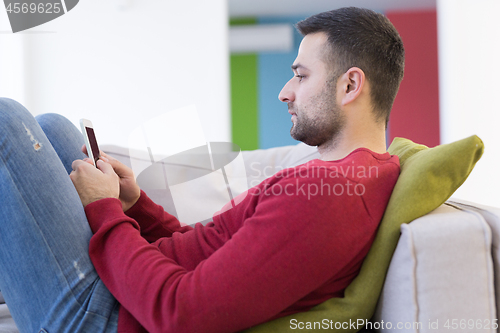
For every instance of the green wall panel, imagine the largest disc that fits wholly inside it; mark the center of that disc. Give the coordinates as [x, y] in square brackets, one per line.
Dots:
[244, 99]
[244, 108]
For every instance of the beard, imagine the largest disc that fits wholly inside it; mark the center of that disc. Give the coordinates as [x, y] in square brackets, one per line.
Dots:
[319, 122]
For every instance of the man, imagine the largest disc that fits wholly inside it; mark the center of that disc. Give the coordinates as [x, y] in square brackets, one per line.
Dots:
[294, 241]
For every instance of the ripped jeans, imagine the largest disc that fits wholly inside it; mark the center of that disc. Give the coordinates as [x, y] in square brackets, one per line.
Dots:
[46, 276]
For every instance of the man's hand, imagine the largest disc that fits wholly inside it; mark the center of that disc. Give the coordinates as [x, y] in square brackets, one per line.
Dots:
[129, 190]
[94, 184]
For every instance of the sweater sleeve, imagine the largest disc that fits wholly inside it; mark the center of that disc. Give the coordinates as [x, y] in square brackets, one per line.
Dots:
[289, 246]
[154, 222]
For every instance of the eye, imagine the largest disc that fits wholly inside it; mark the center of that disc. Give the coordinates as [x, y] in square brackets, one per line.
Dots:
[300, 77]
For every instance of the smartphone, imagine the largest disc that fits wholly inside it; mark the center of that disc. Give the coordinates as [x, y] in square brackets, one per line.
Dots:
[90, 140]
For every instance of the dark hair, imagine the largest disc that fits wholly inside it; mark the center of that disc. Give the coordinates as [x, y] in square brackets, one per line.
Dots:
[361, 38]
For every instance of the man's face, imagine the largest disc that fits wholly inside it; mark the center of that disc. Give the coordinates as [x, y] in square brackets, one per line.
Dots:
[311, 95]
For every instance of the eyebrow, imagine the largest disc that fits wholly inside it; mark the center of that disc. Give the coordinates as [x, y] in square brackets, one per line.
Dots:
[295, 66]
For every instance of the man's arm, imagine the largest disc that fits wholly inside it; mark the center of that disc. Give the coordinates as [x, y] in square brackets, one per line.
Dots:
[154, 221]
[290, 246]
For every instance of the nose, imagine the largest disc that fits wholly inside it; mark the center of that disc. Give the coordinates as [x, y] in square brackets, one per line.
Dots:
[286, 94]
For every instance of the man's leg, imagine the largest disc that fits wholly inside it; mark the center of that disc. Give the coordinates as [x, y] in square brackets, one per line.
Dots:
[66, 139]
[46, 275]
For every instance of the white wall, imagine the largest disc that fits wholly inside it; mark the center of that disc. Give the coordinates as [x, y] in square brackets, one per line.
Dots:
[11, 61]
[122, 66]
[469, 75]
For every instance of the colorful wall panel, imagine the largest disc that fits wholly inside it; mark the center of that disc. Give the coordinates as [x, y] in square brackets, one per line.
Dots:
[415, 114]
[244, 103]
[274, 71]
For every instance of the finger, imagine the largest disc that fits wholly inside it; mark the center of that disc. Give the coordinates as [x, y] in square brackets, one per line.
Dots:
[84, 150]
[106, 168]
[106, 157]
[75, 164]
[88, 160]
[121, 169]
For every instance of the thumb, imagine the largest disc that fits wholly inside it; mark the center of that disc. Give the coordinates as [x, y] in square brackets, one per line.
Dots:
[121, 169]
[106, 168]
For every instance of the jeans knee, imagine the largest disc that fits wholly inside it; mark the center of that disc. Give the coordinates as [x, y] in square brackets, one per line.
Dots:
[59, 129]
[53, 120]
[12, 114]
[11, 108]
[8, 103]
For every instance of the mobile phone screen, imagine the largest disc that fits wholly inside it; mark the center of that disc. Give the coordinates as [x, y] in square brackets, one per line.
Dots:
[93, 143]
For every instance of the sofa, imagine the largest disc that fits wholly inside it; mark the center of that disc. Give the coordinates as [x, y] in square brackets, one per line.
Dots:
[441, 270]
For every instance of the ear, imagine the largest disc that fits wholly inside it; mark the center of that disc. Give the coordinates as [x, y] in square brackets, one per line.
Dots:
[351, 83]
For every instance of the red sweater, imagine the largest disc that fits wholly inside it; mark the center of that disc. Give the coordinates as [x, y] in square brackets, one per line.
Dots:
[294, 241]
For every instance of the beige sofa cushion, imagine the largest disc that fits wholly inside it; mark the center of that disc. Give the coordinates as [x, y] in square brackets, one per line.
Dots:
[440, 275]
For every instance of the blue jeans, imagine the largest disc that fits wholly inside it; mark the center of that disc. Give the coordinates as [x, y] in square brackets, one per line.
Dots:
[46, 276]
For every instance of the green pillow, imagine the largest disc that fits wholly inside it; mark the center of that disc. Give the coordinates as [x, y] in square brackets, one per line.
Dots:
[428, 177]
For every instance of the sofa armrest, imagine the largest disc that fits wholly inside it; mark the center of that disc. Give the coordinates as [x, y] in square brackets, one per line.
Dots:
[492, 216]
[441, 270]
